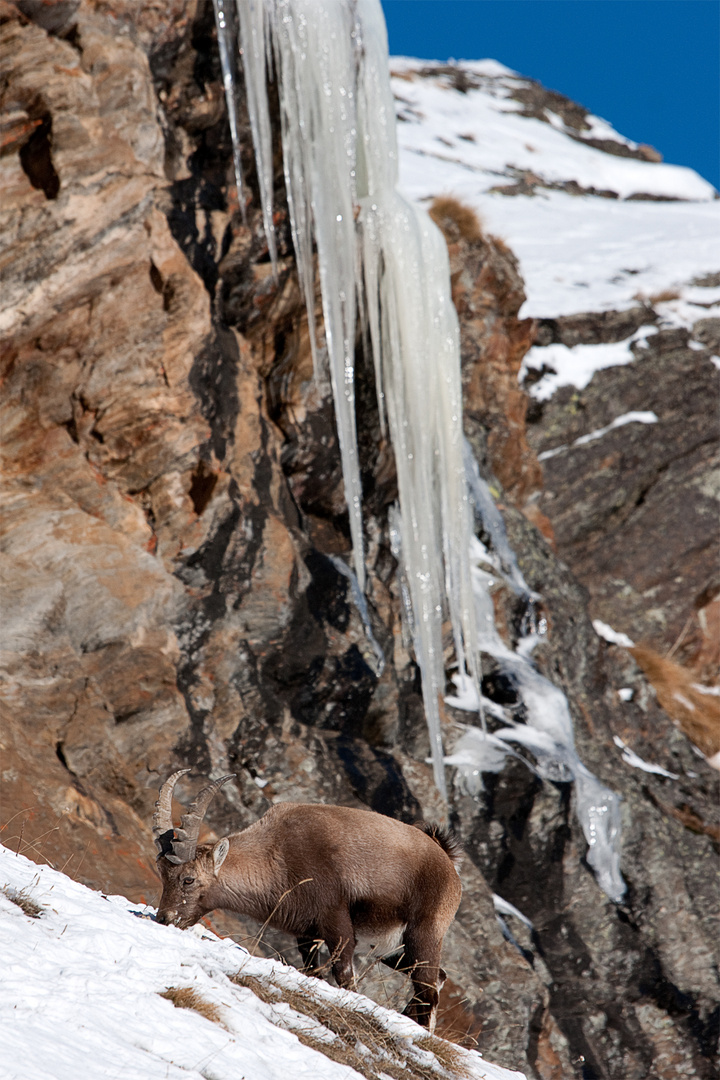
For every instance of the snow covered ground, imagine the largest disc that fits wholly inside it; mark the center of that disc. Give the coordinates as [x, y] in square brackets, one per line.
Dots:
[578, 252]
[81, 996]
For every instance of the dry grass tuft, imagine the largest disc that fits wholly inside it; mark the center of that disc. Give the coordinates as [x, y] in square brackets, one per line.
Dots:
[455, 220]
[658, 298]
[450, 1056]
[697, 714]
[23, 901]
[184, 997]
[357, 1038]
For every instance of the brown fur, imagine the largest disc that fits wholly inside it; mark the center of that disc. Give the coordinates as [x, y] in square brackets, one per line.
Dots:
[329, 874]
[444, 837]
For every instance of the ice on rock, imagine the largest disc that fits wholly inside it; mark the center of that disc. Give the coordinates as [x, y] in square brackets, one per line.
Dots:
[358, 597]
[340, 161]
[493, 524]
[547, 731]
[378, 253]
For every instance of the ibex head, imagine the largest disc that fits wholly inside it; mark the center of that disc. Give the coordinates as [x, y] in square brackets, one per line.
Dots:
[189, 874]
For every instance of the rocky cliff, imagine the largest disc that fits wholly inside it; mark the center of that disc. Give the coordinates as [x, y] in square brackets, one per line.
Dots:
[172, 502]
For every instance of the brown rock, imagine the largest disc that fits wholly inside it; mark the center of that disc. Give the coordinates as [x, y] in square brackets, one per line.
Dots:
[488, 293]
[171, 495]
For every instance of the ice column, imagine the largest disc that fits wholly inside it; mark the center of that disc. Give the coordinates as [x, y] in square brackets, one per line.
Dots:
[340, 161]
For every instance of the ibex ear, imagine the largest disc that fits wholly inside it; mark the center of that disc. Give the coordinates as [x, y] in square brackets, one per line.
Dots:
[219, 853]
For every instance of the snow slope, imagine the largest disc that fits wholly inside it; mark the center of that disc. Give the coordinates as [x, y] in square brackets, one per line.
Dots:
[80, 997]
[578, 251]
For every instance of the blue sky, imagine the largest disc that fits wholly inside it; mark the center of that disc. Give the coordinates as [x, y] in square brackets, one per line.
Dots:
[650, 67]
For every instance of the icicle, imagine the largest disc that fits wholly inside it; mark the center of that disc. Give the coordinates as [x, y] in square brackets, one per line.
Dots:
[340, 156]
[226, 47]
[494, 525]
[315, 57]
[415, 341]
[361, 605]
[251, 21]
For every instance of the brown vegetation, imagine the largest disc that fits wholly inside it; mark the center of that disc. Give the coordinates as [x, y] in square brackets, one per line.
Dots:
[23, 901]
[361, 1040]
[455, 220]
[184, 997]
[697, 714]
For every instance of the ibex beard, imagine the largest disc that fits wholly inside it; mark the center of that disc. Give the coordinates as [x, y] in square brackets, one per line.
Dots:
[325, 874]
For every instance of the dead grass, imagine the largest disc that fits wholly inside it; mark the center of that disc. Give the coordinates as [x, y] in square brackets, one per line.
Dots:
[697, 714]
[23, 901]
[658, 298]
[357, 1038]
[449, 1055]
[455, 220]
[184, 997]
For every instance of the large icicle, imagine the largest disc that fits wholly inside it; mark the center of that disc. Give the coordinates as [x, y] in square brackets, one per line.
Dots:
[415, 340]
[340, 161]
[315, 42]
[251, 21]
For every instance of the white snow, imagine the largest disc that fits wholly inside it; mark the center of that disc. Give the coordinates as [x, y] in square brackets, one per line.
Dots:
[626, 693]
[577, 252]
[80, 997]
[636, 417]
[631, 758]
[571, 366]
[613, 637]
[484, 125]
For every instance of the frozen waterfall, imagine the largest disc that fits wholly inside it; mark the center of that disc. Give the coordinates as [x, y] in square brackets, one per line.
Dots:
[378, 254]
[382, 257]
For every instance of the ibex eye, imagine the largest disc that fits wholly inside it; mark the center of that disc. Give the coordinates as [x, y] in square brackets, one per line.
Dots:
[188, 880]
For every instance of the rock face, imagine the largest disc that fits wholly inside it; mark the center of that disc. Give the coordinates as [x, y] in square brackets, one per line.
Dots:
[635, 511]
[172, 503]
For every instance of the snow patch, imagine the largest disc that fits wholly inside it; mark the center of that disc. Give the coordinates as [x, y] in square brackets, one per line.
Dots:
[577, 252]
[576, 366]
[631, 758]
[619, 421]
[612, 636]
[81, 987]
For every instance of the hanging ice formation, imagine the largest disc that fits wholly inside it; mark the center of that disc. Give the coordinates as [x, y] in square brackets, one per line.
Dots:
[547, 731]
[378, 254]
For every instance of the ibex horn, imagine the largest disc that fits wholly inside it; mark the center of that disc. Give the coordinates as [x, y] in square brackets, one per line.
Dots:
[186, 837]
[163, 829]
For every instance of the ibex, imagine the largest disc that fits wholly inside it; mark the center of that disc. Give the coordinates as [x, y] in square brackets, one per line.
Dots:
[323, 874]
